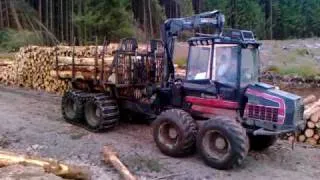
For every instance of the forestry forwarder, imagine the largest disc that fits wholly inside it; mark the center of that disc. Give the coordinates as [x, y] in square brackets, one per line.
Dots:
[218, 108]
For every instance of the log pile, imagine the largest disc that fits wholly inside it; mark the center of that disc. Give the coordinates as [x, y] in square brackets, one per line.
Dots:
[34, 66]
[311, 133]
[7, 72]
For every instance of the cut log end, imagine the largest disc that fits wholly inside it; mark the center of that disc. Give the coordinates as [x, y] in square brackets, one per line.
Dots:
[301, 138]
[309, 133]
[309, 99]
[311, 141]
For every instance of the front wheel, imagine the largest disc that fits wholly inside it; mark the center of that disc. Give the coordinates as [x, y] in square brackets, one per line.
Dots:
[222, 142]
[174, 132]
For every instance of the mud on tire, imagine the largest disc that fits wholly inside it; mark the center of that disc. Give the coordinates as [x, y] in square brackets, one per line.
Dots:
[260, 143]
[72, 106]
[101, 113]
[222, 142]
[174, 132]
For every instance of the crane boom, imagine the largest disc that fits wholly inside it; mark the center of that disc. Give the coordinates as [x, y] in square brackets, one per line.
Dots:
[172, 27]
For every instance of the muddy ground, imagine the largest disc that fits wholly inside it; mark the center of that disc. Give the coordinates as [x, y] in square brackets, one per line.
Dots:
[31, 123]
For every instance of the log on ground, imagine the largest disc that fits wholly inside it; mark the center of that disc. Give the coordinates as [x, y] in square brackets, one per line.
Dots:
[110, 156]
[49, 165]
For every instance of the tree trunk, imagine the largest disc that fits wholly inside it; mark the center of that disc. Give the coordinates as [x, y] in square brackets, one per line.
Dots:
[67, 22]
[61, 20]
[7, 13]
[150, 19]
[79, 28]
[40, 10]
[71, 22]
[270, 26]
[51, 17]
[145, 19]
[1, 16]
[47, 14]
[15, 14]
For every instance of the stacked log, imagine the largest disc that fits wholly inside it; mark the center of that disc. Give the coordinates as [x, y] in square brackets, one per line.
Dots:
[311, 133]
[34, 66]
[7, 72]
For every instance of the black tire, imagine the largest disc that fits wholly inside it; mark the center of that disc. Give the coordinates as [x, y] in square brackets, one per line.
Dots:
[101, 113]
[180, 122]
[233, 140]
[260, 143]
[72, 106]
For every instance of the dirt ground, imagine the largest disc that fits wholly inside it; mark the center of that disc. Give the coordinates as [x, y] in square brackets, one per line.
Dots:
[31, 123]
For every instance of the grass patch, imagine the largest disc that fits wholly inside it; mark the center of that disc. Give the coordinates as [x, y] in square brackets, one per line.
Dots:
[273, 68]
[181, 62]
[302, 52]
[7, 56]
[303, 70]
[11, 40]
[139, 163]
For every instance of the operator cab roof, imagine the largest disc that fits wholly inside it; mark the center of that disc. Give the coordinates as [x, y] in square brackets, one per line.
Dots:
[229, 36]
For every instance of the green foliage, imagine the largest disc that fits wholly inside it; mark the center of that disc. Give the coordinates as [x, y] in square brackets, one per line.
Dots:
[107, 18]
[186, 7]
[290, 18]
[302, 52]
[181, 62]
[250, 16]
[303, 70]
[11, 40]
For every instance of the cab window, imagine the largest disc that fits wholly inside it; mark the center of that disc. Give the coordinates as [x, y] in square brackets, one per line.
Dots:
[199, 63]
[225, 61]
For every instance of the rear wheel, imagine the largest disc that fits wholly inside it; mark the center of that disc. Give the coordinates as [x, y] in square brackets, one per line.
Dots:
[174, 132]
[101, 113]
[72, 106]
[260, 143]
[222, 143]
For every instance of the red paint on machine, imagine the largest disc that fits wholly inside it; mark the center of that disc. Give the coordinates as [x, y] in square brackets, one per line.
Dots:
[214, 103]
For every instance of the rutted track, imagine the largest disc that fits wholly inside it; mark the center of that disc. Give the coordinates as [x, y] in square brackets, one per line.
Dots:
[31, 122]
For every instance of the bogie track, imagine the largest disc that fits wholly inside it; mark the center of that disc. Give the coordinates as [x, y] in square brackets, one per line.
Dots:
[95, 112]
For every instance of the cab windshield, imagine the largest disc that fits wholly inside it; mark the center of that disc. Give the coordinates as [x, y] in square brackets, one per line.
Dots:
[249, 66]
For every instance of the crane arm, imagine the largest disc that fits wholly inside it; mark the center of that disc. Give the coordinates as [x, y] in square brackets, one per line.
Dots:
[172, 27]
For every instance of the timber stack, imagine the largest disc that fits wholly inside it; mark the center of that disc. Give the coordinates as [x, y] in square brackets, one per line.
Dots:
[7, 72]
[311, 133]
[34, 66]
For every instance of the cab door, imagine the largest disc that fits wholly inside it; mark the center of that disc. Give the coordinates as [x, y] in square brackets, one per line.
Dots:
[226, 70]
[199, 71]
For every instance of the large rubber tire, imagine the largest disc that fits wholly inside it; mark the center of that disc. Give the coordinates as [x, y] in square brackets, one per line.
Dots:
[72, 106]
[260, 143]
[101, 113]
[181, 141]
[222, 143]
